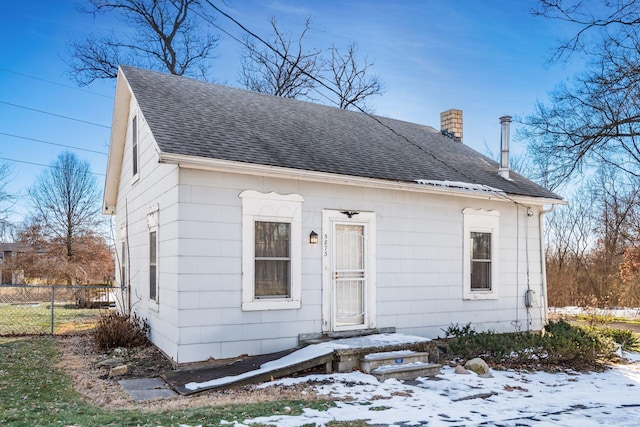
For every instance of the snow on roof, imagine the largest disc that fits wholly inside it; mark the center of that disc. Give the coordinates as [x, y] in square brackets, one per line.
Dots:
[460, 185]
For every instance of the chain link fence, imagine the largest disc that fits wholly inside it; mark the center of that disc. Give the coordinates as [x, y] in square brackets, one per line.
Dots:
[39, 309]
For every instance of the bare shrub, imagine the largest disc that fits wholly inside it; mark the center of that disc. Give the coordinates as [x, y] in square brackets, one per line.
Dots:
[120, 330]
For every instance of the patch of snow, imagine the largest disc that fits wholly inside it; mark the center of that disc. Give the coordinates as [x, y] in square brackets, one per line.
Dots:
[389, 354]
[391, 368]
[509, 398]
[311, 352]
[304, 354]
[377, 340]
[621, 312]
[460, 185]
[632, 356]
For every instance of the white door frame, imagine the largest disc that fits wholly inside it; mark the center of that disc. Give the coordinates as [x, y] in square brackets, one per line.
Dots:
[329, 218]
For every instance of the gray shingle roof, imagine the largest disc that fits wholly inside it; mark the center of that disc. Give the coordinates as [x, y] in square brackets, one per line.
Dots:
[194, 118]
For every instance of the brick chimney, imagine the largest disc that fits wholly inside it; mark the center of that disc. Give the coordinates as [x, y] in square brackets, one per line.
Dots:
[451, 124]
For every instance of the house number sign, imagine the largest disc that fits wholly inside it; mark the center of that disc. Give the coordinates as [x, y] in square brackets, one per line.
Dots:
[325, 244]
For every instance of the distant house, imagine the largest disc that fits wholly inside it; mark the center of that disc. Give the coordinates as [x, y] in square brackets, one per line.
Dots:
[8, 275]
[245, 220]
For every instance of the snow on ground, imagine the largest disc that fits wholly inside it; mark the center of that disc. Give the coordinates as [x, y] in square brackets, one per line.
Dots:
[510, 398]
[311, 352]
[619, 312]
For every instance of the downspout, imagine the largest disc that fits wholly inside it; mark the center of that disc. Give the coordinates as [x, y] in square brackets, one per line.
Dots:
[543, 263]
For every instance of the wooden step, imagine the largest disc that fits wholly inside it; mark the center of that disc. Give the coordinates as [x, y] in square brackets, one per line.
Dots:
[374, 360]
[406, 371]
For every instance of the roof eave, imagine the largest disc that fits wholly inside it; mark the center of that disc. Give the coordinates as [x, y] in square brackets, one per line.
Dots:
[205, 163]
[116, 144]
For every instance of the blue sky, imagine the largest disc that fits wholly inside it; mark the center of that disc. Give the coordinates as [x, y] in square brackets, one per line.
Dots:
[487, 58]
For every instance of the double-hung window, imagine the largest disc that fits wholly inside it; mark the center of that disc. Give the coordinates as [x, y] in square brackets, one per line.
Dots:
[153, 265]
[152, 223]
[480, 256]
[123, 264]
[134, 147]
[480, 261]
[271, 250]
[272, 259]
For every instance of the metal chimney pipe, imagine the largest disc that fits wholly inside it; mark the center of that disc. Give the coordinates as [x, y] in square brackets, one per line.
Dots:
[504, 146]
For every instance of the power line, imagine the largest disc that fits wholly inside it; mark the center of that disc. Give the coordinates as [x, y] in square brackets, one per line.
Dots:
[42, 164]
[53, 143]
[55, 83]
[55, 115]
[367, 114]
[331, 89]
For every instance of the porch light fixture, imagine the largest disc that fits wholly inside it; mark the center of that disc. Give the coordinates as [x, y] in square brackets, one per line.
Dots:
[313, 238]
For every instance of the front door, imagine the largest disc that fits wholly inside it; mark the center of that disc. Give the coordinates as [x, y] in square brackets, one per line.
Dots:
[348, 262]
[349, 275]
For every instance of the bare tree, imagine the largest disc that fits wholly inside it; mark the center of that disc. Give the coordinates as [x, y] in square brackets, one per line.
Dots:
[7, 201]
[289, 70]
[66, 204]
[608, 17]
[591, 244]
[595, 119]
[349, 79]
[164, 35]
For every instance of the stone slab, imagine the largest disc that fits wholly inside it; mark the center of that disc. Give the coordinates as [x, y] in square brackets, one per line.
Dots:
[406, 371]
[141, 389]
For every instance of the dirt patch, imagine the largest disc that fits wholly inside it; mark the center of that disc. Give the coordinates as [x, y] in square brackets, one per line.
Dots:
[80, 358]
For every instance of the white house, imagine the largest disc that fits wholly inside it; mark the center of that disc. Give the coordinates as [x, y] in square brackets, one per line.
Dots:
[245, 220]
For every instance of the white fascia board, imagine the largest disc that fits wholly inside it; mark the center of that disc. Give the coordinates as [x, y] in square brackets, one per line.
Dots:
[204, 163]
[116, 144]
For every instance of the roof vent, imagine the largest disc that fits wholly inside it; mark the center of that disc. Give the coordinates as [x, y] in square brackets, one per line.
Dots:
[451, 124]
[504, 147]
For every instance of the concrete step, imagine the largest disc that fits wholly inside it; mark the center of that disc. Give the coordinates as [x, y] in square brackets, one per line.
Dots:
[374, 360]
[406, 371]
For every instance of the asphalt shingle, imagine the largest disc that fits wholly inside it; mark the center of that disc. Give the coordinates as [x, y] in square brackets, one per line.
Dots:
[194, 118]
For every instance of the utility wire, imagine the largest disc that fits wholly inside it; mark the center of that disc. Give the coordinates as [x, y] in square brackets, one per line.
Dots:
[55, 115]
[53, 143]
[55, 83]
[42, 164]
[326, 86]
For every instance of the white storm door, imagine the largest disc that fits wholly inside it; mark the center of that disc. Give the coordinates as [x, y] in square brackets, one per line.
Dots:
[349, 275]
[348, 270]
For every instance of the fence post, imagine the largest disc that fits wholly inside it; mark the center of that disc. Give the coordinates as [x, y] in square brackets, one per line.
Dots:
[53, 300]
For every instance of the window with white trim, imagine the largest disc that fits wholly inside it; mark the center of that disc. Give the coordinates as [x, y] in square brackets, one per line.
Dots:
[123, 264]
[152, 222]
[122, 256]
[271, 250]
[135, 158]
[480, 248]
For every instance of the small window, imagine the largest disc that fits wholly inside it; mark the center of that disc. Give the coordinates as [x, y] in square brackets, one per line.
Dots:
[153, 223]
[272, 260]
[134, 140]
[153, 265]
[123, 264]
[480, 254]
[480, 261]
